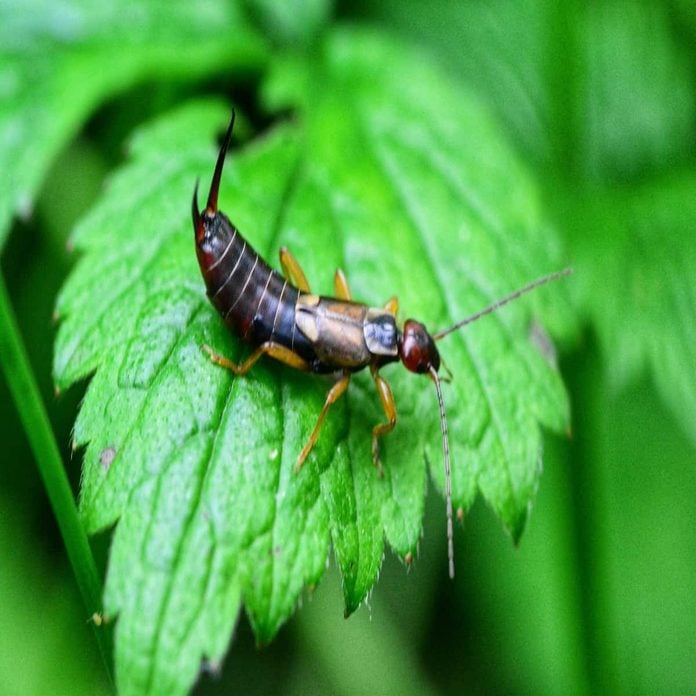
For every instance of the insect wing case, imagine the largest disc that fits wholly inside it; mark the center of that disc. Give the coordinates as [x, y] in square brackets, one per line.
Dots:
[336, 330]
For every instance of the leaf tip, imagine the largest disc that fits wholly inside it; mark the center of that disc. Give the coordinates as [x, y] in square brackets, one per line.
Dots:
[517, 527]
[350, 608]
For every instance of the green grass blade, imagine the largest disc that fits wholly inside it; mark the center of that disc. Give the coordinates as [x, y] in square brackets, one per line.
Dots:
[24, 389]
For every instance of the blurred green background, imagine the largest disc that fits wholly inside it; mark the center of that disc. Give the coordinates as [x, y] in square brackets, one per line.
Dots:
[600, 100]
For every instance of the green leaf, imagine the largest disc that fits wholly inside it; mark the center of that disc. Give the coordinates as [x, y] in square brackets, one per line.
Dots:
[59, 61]
[406, 185]
[636, 258]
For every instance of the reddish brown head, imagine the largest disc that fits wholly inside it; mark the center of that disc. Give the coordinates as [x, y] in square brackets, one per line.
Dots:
[417, 348]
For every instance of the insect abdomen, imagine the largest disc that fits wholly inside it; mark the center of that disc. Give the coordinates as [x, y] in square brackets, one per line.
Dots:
[255, 301]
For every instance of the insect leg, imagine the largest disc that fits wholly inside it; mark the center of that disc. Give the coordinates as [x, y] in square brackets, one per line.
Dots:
[392, 305]
[274, 350]
[341, 285]
[331, 398]
[389, 406]
[292, 270]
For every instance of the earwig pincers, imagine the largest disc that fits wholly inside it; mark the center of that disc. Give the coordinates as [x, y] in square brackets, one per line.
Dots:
[279, 316]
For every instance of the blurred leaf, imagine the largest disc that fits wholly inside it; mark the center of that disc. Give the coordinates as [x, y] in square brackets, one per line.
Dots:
[637, 109]
[58, 61]
[376, 655]
[686, 16]
[406, 185]
[496, 47]
[293, 22]
[636, 260]
[634, 483]
[606, 86]
[519, 642]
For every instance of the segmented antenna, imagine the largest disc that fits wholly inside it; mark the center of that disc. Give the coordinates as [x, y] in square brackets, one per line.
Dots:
[448, 477]
[504, 301]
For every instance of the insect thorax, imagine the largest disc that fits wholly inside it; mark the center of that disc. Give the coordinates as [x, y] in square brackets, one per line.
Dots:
[345, 334]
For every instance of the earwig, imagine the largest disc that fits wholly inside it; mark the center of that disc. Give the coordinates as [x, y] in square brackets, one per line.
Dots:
[280, 317]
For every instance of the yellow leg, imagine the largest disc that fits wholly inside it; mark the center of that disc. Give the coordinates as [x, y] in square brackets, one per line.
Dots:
[292, 270]
[389, 406]
[392, 305]
[270, 348]
[341, 285]
[331, 398]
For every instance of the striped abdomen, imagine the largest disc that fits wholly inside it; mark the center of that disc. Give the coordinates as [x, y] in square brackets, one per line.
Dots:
[255, 301]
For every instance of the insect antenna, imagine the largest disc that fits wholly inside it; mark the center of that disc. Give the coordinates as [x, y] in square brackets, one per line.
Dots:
[211, 206]
[509, 298]
[448, 477]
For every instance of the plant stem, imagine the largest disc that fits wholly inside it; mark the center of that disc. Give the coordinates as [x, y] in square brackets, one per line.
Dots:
[25, 392]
